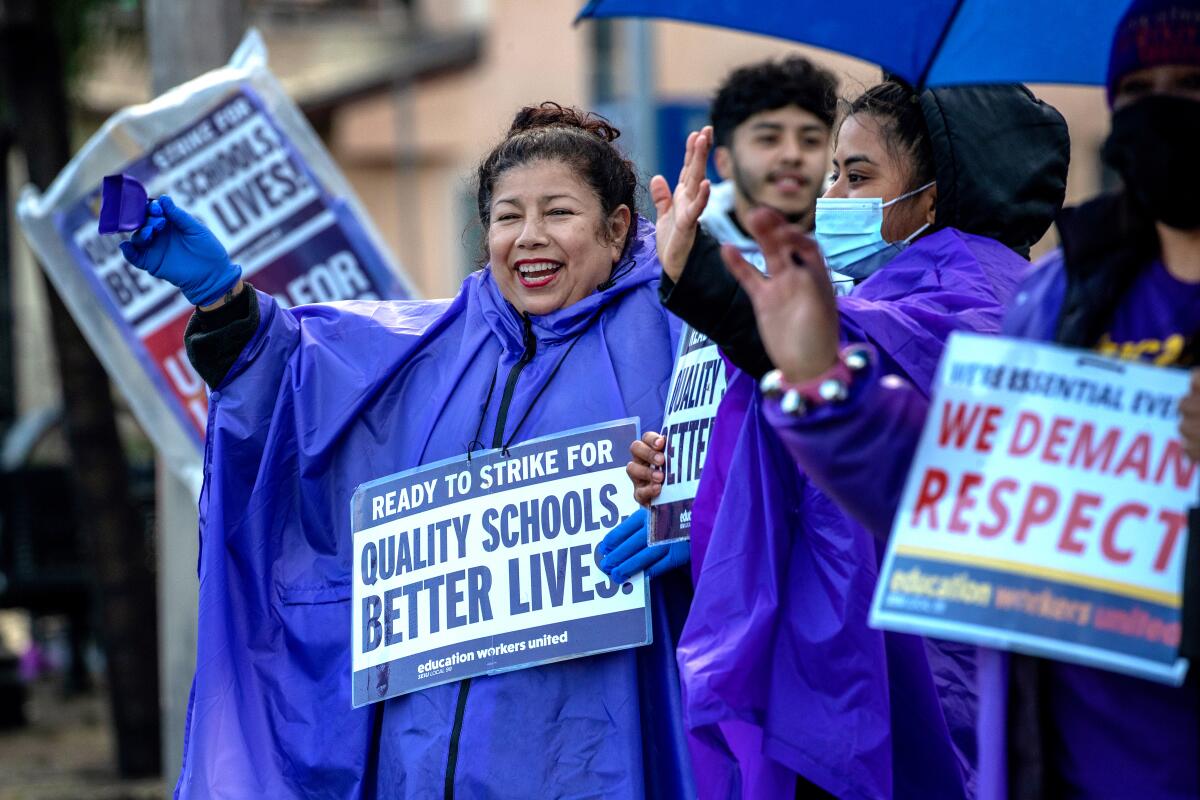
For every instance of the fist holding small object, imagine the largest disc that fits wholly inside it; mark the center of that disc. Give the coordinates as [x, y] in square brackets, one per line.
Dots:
[176, 247]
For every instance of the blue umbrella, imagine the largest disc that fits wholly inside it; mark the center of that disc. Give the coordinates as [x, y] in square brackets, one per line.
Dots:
[928, 42]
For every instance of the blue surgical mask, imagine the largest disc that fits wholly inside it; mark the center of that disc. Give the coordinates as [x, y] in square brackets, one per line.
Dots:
[849, 231]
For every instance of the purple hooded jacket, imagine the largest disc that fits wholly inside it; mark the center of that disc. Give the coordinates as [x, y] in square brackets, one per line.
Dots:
[782, 676]
[784, 683]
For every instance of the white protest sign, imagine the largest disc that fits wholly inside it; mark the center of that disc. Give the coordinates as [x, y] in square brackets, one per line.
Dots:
[697, 386]
[476, 566]
[1046, 510]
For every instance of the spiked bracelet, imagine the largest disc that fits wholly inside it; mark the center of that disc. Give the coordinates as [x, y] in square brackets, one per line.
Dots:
[831, 387]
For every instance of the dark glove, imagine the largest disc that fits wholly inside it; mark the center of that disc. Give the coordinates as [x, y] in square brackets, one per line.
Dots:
[625, 551]
[175, 246]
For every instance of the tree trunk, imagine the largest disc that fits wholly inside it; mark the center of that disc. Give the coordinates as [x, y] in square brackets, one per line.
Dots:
[31, 78]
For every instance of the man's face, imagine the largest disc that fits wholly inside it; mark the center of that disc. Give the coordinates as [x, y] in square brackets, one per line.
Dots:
[777, 158]
[1177, 81]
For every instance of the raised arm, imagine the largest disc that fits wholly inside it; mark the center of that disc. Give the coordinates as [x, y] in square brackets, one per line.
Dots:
[857, 451]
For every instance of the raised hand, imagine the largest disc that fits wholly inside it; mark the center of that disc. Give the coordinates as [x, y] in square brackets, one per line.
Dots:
[795, 307]
[679, 212]
[175, 246]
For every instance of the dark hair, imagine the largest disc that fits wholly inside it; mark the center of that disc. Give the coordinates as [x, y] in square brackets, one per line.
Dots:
[897, 108]
[769, 85]
[580, 139]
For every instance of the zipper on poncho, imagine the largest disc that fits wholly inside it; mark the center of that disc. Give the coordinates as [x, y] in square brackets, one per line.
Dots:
[510, 384]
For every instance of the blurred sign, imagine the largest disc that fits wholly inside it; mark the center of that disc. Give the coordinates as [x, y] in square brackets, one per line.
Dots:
[697, 386]
[1046, 509]
[232, 149]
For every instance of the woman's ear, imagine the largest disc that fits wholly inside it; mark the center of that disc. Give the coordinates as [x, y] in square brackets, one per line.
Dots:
[929, 199]
[723, 161]
[618, 227]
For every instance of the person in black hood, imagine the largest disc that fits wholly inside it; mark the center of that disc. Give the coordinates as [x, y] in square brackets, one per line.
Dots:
[936, 198]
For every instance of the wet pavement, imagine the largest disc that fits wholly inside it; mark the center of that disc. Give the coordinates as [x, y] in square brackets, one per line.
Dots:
[65, 752]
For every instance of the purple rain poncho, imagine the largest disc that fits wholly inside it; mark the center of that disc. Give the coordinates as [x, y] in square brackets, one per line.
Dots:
[782, 676]
[326, 397]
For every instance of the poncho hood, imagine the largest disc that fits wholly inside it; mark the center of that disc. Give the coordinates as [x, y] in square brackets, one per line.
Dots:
[1001, 158]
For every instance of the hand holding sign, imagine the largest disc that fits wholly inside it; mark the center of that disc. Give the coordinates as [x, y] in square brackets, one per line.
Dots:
[646, 468]
[176, 247]
[795, 309]
[1189, 417]
[679, 213]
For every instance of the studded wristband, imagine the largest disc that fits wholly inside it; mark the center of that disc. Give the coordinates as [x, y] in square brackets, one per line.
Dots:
[833, 386]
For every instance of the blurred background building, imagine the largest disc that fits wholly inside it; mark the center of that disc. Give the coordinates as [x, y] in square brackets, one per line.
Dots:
[407, 96]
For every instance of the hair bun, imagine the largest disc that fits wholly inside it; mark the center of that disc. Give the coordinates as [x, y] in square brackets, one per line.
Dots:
[550, 114]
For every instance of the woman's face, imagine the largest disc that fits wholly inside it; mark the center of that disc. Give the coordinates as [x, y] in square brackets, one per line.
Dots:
[549, 243]
[863, 166]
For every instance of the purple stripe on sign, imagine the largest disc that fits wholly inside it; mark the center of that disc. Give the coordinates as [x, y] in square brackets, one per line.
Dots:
[502, 653]
[458, 479]
[924, 588]
[670, 522]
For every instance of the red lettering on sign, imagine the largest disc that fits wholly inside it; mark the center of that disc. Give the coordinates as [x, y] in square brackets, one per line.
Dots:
[1176, 523]
[1136, 458]
[1086, 455]
[1028, 425]
[998, 507]
[1108, 542]
[1039, 509]
[933, 486]
[1077, 521]
[1055, 439]
[963, 502]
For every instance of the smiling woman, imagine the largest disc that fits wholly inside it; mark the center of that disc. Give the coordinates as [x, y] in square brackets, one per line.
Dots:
[561, 330]
[550, 241]
[557, 200]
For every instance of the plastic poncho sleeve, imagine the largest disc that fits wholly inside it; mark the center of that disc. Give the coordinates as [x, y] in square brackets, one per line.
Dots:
[270, 711]
[908, 310]
[859, 452]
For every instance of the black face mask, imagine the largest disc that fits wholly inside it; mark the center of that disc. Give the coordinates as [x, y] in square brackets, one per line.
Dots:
[1155, 146]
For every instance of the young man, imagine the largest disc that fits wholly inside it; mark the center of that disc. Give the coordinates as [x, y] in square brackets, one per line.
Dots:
[772, 124]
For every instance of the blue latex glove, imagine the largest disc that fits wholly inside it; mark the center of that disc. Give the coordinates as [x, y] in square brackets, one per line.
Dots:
[175, 246]
[625, 551]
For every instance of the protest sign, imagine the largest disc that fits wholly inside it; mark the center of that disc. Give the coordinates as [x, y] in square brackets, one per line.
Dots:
[1046, 509]
[233, 150]
[697, 386]
[485, 564]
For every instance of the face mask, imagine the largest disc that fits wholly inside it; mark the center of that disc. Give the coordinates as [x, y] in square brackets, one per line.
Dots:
[850, 233]
[1155, 146]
